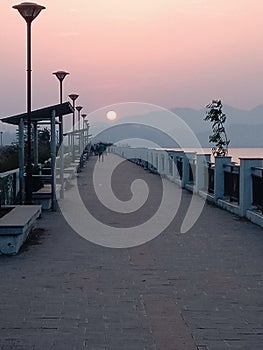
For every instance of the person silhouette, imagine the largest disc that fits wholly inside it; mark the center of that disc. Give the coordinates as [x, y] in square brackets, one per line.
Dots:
[101, 149]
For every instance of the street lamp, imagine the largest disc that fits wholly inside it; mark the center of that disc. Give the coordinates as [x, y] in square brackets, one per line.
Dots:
[83, 116]
[60, 75]
[79, 108]
[29, 11]
[83, 130]
[73, 97]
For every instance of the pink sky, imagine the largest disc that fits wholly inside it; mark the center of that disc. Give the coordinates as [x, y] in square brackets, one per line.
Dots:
[173, 53]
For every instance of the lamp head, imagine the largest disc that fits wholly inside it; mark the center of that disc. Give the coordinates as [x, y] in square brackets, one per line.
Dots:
[29, 10]
[73, 97]
[83, 115]
[60, 74]
[79, 108]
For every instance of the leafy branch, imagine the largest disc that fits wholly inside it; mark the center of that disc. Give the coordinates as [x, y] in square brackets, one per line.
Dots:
[215, 115]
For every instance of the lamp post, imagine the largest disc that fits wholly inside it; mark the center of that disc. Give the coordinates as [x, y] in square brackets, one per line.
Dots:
[83, 128]
[83, 116]
[29, 11]
[61, 76]
[73, 97]
[79, 108]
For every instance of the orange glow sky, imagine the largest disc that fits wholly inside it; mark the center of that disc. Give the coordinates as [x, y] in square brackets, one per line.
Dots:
[173, 53]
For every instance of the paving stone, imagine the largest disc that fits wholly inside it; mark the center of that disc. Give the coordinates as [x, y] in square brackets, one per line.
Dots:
[198, 291]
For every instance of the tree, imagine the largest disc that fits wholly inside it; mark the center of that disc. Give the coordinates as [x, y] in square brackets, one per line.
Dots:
[43, 145]
[8, 158]
[43, 136]
[215, 115]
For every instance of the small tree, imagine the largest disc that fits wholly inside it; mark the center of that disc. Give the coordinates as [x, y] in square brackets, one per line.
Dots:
[215, 115]
[44, 144]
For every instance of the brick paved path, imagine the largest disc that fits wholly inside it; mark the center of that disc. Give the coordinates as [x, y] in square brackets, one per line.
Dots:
[199, 290]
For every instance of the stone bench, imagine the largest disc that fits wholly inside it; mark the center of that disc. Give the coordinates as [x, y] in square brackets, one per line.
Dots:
[43, 196]
[15, 227]
[71, 169]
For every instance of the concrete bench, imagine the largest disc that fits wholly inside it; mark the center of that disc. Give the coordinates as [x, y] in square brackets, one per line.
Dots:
[15, 227]
[71, 168]
[43, 196]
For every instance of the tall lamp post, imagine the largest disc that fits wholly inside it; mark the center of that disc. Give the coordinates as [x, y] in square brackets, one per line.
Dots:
[83, 129]
[61, 76]
[29, 11]
[73, 97]
[83, 116]
[79, 108]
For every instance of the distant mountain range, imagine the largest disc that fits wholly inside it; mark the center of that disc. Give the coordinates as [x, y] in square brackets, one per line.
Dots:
[244, 127]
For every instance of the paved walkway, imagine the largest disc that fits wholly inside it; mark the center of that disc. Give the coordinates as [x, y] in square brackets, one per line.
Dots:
[199, 290]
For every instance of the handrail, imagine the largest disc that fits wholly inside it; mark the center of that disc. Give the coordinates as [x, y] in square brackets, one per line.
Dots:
[9, 172]
[256, 168]
[233, 166]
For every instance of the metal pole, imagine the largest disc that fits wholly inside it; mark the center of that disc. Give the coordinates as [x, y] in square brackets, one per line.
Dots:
[60, 117]
[21, 161]
[53, 160]
[80, 151]
[29, 154]
[35, 145]
[79, 119]
[73, 130]
[61, 146]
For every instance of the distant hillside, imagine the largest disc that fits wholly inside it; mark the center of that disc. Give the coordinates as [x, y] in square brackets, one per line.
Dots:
[244, 127]
[8, 137]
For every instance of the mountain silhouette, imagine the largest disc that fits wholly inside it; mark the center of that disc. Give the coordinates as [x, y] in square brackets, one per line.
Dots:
[244, 127]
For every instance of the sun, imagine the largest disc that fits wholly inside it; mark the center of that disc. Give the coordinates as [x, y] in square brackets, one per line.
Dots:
[111, 115]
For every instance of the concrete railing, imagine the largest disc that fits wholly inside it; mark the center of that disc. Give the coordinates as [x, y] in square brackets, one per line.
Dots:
[9, 187]
[10, 183]
[236, 188]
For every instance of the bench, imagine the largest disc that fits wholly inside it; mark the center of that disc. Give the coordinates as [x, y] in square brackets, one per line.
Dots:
[15, 227]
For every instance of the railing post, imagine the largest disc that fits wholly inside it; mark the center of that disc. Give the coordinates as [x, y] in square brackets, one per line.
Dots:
[245, 183]
[162, 163]
[186, 170]
[220, 162]
[178, 155]
[201, 161]
[166, 164]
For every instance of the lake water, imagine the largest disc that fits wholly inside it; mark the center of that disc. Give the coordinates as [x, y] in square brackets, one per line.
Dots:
[236, 153]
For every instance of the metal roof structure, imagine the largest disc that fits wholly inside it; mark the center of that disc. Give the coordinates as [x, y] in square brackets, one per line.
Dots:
[42, 114]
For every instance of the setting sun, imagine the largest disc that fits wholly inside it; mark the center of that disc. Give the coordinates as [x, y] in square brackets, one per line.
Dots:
[111, 115]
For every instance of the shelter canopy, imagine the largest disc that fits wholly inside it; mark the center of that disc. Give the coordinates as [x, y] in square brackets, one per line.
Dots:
[42, 114]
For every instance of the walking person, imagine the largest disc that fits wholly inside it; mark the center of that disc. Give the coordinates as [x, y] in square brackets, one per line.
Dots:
[101, 149]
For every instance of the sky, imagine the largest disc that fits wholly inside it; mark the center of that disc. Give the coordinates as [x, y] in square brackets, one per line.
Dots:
[172, 53]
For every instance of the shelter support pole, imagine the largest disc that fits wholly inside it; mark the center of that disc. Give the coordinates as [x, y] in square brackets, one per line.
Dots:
[61, 158]
[21, 152]
[35, 144]
[53, 160]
